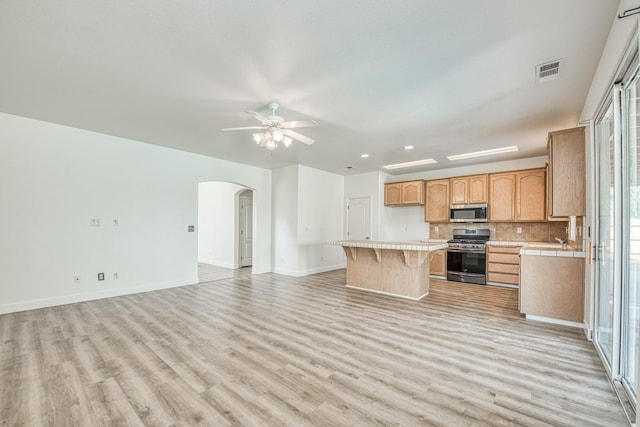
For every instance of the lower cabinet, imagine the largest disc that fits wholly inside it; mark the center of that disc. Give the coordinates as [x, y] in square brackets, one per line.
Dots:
[503, 264]
[438, 264]
[552, 287]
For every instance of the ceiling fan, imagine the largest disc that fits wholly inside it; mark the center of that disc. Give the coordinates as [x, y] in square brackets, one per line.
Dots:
[275, 130]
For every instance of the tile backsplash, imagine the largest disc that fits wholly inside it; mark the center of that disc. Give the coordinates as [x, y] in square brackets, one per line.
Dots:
[529, 231]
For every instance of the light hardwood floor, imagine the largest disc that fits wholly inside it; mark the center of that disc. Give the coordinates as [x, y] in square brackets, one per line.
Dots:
[276, 350]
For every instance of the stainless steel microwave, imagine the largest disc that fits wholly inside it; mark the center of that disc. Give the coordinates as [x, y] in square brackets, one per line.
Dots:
[469, 213]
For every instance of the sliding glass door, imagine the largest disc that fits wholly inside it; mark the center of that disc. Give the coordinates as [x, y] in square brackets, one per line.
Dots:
[631, 235]
[617, 285]
[605, 249]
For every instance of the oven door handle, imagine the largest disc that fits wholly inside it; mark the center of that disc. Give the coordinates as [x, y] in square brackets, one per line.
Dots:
[466, 251]
[462, 273]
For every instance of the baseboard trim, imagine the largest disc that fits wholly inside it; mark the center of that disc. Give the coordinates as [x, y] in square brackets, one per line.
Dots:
[389, 294]
[255, 270]
[503, 285]
[555, 321]
[90, 296]
[285, 272]
[323, 269]
[588, 332]
[219, 263]
[301, 273]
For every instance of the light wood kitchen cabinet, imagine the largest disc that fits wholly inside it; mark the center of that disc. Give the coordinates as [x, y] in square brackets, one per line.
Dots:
[393, 194]
[413, 193]
[436, 206]
[530, 195]
[552, 287]
[566, 173]
[502, 196]
[503, 264]
[469, 189]
[438, 264]
[406, 193]
[517, 196]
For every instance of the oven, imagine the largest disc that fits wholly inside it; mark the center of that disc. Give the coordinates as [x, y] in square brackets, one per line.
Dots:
[467, 256]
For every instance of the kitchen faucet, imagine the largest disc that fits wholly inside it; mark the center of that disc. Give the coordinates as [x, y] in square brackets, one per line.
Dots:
[562, 242]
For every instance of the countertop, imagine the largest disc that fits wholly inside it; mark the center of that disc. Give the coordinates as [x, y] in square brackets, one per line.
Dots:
[541, 249]
[402, 246]
[527, 248]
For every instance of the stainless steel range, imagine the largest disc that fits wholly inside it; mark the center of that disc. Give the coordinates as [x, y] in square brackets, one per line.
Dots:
[467, 255]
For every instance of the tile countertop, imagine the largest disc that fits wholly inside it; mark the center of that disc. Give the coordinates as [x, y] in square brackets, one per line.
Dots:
[541, 249]
[406, 246]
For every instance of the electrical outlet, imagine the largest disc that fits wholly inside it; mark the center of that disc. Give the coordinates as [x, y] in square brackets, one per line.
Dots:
[76, 279]
[519, 230]
[115, 276]
[100, 276]
[436, 228]
[191, 228]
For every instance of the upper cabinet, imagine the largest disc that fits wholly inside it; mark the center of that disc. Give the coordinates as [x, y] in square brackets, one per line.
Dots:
[530, 195]
[502, 196]
[469, 189]
[404, 193]
[566, 180]
[436, 207]
[393, 194]
[517, 196]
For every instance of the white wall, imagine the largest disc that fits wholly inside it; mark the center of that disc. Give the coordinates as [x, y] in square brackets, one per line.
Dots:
[320, 218]
[54, 178]
[308, 211]
[285, 220]
[370, 184]
[218, 223]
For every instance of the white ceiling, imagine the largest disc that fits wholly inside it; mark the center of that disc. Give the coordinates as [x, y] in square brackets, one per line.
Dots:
[447, 76]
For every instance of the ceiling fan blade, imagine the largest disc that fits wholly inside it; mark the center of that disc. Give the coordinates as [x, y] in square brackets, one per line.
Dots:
[298, 136]
[298, 124]
[245, 128]
[260, 117]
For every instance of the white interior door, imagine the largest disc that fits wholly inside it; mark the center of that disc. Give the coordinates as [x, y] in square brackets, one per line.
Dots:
[246, 229]
[359, 218]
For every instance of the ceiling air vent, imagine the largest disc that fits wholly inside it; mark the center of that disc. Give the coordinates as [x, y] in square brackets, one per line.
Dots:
[548, 71]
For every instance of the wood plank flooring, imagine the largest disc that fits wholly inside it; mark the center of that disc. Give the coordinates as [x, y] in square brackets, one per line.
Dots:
[274, 350]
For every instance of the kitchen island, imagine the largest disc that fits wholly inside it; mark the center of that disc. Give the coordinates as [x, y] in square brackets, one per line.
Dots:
[392, 268]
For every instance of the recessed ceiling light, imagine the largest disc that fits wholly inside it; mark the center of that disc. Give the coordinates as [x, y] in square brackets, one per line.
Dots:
[410, 164]
[408, 147]
[364, 156]
[502, 150]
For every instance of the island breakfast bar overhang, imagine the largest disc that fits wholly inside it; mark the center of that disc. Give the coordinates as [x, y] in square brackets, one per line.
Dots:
[399, 269]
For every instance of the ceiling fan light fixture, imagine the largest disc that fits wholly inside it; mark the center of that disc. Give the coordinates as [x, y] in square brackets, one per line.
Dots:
[271, 144]
[274, 130]
[276, 134]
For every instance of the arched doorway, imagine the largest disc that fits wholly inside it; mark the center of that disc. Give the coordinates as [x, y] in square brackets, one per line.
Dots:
[225, 229]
